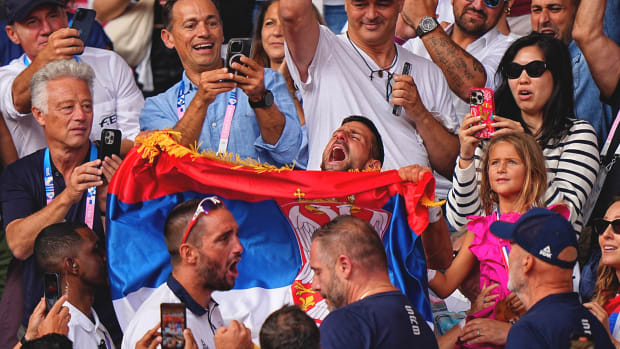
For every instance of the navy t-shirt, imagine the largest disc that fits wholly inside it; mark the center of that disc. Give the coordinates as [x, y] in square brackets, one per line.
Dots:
[553, 321]
[380, 321]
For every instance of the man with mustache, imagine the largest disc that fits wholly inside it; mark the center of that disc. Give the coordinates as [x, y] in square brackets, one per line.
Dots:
[360, 72]
[357, 146]
[467, 52]
[367, 311]
[556, 18]
[201, 237]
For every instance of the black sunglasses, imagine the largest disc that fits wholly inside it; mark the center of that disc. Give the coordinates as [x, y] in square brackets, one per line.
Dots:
[490, 3]
[600, 225]
[534, 69]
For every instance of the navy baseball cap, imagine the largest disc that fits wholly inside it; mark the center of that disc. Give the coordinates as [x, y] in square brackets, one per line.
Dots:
[18, 10]
[541, 232]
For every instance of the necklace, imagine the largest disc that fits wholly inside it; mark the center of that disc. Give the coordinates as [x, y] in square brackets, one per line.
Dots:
[378, 71]
[374, 289]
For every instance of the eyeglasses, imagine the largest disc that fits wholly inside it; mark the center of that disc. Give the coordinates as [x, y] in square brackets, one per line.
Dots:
[205, 206]
[534, 69]
[600, 225]
[490, 3]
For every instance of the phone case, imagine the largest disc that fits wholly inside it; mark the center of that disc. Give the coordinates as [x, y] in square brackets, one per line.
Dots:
[173, 322]
[481, 104]
[83, 21]
[110, 143]
[52, 289]
[235, 49]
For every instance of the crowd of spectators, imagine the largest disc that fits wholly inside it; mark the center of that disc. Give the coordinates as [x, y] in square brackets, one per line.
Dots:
[376, 85]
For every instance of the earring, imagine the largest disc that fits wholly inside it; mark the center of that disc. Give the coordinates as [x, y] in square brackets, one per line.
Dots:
[507, 11]
[74, 265]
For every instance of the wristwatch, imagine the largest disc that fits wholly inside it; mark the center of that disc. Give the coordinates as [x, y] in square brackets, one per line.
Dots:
[427, 25]
[264, 102]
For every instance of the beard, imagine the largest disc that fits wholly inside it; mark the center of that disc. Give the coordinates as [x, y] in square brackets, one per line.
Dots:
[469, 27]
[334, 294]
[516, 281]
[214, 273]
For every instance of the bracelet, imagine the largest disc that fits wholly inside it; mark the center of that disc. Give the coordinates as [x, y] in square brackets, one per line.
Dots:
[465, 159]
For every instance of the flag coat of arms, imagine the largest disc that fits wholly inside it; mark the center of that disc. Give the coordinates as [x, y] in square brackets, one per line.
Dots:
[277, 210]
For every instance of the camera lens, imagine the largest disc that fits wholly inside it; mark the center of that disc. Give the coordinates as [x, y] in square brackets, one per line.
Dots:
[236, 46]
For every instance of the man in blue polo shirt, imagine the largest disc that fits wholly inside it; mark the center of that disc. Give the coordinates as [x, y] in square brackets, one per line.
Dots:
[542, 256]
[252, 115]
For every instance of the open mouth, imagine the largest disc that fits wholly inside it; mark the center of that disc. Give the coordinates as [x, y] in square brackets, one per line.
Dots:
[337, 154]
[525, 93]
[232, 268]
[202, 47]
[609, 248]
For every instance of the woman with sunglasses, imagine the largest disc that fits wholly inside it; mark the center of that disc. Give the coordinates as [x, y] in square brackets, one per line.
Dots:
[535, 97]
[605, 304]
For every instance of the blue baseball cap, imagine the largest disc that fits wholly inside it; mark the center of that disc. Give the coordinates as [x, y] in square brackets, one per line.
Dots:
[541, 232]
[18, 10]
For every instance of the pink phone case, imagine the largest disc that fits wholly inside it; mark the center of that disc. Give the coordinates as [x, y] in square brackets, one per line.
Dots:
[481, 104]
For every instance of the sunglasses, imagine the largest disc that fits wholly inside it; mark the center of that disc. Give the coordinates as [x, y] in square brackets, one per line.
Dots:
[534, 69]
[490, 3]
[600, 225]
[205, 206]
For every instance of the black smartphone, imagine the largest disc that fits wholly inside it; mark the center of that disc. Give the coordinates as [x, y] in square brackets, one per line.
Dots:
[110, 143]
[173, 322]
[52, 290]
[406, 69]
[83, 21]
[236, 48]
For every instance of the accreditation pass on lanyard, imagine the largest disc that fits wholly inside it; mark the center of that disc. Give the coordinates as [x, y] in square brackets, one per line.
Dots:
[91, 193]
[228, 116]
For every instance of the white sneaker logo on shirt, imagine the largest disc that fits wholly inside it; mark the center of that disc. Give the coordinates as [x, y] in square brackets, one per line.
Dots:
[546, 252]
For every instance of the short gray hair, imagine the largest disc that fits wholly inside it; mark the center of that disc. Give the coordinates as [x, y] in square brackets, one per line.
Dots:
[55, 70]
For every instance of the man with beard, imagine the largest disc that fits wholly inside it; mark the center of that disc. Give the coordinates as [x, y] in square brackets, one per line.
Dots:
[367, 311]
[74, 252]
[556, 18]
[542, 256]
[201, 237]
[468, 52]
[357, 146]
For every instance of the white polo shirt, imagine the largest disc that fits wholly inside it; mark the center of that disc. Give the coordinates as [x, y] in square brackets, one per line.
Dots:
[338, 86]
[202, 322]
[84, 333]
[116, 97]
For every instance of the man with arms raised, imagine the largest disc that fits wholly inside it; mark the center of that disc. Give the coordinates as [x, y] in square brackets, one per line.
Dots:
[359, 73]
[201, 236]
[367, 311]
[40, 27]
[251, 116]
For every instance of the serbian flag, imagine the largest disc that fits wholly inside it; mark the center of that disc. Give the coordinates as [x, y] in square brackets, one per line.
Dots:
[277, 210]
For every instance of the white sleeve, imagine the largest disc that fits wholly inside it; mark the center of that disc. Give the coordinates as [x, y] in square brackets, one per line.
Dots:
[464, 197]
[8, 74]
[129, 99]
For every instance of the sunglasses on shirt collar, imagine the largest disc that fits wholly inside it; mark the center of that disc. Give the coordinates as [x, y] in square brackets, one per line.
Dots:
[490, 3]
[205, 206]
[534, 69]
[601, 225]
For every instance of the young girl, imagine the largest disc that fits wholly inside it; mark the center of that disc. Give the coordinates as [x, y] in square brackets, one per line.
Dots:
[513, 179]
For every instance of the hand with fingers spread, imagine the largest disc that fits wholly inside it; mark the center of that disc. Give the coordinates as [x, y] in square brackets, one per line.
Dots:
[56, 320]
[61, 44]
[469, 127]
[405, 94]
[504, 125]
[253, 84]
[83, 177]
[485, 299]
[235, 336]
[482, 330]
[214, 82]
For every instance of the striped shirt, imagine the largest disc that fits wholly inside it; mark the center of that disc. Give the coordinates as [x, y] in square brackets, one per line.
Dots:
[572, 165]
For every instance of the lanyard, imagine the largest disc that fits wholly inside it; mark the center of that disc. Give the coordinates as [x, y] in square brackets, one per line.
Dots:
[503, 249]
[48, 181]
[228, 116]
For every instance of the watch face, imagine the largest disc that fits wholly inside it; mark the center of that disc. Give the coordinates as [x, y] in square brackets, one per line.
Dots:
[428, 24]
[268, 98]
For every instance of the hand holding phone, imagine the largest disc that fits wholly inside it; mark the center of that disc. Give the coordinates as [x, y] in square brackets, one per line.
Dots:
[406, 69]
[110, 143]
[173, 322]
[83, 20]
[52, 290]
[481, 104]
[236, 48]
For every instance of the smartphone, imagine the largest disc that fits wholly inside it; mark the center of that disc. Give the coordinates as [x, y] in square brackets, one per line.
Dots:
[83, 21]
[236, 48]
[481, 104]
[406, 69]
[173, 322]
[52, 290]
[110, 143]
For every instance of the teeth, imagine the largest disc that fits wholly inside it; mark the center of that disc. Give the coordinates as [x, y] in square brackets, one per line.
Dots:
[207, 46]
[609, 248]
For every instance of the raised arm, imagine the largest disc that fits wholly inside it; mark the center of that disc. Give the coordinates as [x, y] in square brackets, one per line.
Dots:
[301, 32]
[462, 70]
[600, 51]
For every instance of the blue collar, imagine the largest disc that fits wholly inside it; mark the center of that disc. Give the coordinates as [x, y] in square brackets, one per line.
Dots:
[189, 302]
[187, 84]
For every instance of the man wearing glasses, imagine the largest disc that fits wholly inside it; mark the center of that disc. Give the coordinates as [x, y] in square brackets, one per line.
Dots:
[468, 51]
[201, 237]
[359, 72]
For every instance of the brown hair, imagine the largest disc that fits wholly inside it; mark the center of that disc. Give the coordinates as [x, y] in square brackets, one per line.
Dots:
[607, 283]
[535, 183]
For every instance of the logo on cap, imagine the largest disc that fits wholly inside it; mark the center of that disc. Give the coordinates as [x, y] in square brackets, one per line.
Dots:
[545, 252]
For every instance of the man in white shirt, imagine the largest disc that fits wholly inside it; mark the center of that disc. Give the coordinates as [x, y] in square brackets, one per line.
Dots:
[40, 27]
[201, 236]
[359, 73]
[468, 51]
[74, 252]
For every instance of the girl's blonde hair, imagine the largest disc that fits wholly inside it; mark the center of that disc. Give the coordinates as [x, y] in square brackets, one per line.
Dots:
[535, 183]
